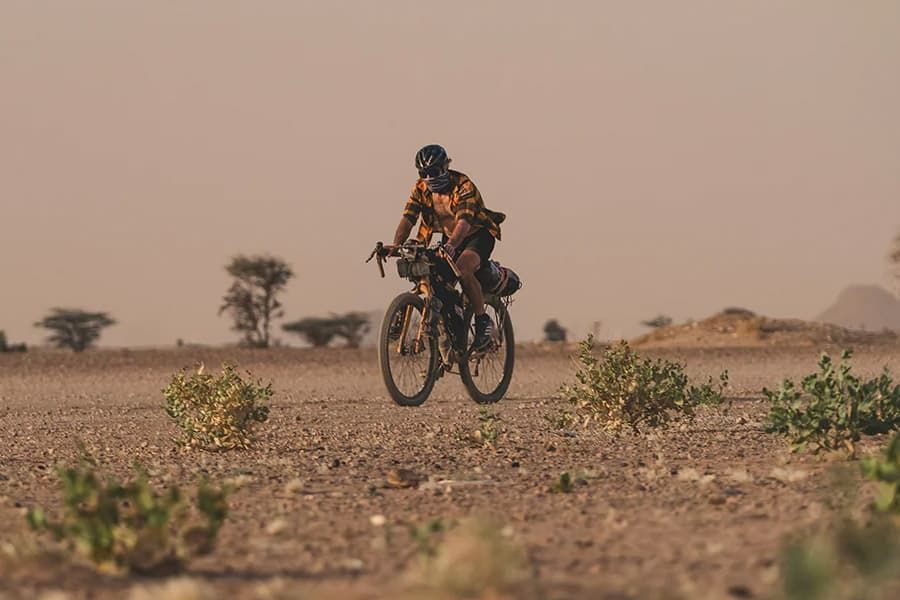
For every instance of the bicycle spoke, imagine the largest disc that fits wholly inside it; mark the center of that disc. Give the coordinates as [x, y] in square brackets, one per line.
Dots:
[409, 365]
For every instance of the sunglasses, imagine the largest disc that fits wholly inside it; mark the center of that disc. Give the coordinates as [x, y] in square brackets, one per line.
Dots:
[431, 172]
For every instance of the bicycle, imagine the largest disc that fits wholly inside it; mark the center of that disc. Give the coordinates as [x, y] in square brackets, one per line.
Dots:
[428, 330]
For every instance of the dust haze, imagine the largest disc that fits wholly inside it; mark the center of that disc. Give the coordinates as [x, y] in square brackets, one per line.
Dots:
[653, 157]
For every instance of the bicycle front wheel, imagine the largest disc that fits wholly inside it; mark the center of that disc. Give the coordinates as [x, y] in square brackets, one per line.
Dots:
[487, 375]
[407, 356]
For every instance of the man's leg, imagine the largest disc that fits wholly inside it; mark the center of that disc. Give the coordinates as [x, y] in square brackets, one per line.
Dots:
[468, 263]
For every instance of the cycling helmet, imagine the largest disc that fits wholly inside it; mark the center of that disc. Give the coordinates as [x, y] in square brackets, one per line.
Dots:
[431, 160]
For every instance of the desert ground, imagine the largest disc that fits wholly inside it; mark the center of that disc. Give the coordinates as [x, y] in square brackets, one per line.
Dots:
[689, 511]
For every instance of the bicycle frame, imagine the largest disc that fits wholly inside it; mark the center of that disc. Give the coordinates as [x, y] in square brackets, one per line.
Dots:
[423, 286]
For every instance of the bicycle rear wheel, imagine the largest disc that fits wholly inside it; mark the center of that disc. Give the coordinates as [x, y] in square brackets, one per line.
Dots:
[487, 375]
[408, 361]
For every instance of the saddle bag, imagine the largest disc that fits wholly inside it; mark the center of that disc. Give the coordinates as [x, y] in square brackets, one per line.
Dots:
[498, 280]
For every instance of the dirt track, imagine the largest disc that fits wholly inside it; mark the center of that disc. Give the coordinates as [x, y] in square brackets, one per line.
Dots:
[695, 512]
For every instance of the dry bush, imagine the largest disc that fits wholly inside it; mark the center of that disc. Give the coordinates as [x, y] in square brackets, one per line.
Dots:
[833, 408]
[216, 412]
[622, 389]
[131, 527]
[475, 559]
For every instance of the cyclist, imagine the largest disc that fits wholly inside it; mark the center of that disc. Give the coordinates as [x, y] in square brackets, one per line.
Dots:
[449, 203]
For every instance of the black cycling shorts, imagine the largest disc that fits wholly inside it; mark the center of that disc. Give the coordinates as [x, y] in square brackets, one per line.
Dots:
[481, 242]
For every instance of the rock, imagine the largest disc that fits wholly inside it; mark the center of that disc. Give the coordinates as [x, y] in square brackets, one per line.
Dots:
[403, 478]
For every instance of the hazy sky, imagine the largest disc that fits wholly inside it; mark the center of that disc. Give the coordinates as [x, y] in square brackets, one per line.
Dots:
[653, 157]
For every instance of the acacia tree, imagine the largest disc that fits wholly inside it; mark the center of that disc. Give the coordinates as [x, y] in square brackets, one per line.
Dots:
[252, 299]
[317, 331]
[352, 327]
[74, 328]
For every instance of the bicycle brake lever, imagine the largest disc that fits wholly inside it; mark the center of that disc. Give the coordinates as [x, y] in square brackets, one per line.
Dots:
[379, 247]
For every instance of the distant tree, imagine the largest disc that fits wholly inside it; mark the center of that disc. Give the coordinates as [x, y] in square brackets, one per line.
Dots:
[351, 326]
[5, 346]
[74, 328]
[252, 299]
[657, 322]
[894, 260]
[318, 331]
[554, 332]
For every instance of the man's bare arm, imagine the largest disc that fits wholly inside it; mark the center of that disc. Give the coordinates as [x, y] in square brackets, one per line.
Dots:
[460, 231]
[403, 231]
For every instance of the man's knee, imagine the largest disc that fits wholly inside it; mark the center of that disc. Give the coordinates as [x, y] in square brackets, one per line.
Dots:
[468, 262]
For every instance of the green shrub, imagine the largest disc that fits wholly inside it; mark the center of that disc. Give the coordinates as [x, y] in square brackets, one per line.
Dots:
[886, 472]
[131, 527]
[565, 484]
[833, 408]
[622, 389]
[216, 412]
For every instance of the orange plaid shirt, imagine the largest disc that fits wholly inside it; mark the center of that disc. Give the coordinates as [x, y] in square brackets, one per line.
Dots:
[465, 202]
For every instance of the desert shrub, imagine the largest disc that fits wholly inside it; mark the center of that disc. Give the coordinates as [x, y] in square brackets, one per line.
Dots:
[622, 389]
[554, 332]
[216, 412]
[852, 560]
[657, 322]
[131, 527]
[475, 559]
[564, 485]
[886, 472]
[833, 408]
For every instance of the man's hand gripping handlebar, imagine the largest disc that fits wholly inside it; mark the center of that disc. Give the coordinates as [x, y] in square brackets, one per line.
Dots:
[382, 251]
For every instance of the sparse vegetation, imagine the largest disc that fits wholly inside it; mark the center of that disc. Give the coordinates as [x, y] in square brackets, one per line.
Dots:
[564, 485]
[833, 408]
[132, 527]
[622, 389]
[489, 430]
[320, 331]
[885, 471]
[852, 559]
[216, 412]
[477, 558]
[5, 346]
[74, 328]
[252, 299]
[657, 322]
[554, 332]
[426, 536]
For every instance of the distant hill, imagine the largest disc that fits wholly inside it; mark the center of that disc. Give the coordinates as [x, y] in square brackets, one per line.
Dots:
[867, 307]
[736, 327]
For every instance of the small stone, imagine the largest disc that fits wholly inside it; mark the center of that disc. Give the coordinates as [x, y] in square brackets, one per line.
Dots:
[377, 520]
[354, 565]
[276, 526]
[293, 486]
[402, 478]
